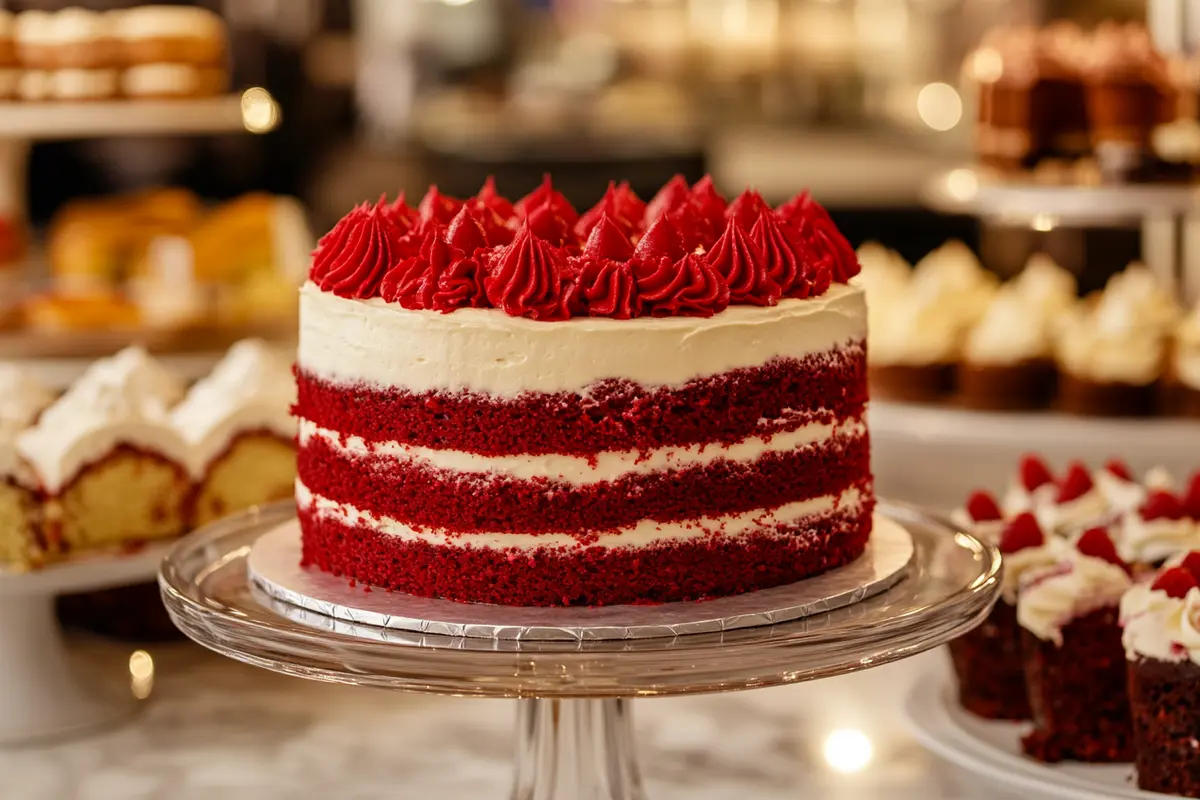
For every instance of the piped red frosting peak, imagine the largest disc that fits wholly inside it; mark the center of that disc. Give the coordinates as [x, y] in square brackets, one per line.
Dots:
[829, 247]
[687, 252]
[529, 278]
[351, 260]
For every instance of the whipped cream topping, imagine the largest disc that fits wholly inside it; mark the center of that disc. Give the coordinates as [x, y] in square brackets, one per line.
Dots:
[21, 400]
[986, 531]
[1159, 626]
[1047, 286]
[1018, 499]
[1052, 596]
[1143, 541]
[952, 275]
[1135, 297]
[1122, 495]
[484, 350]
[1013, 330]
[1026, 560]
[1186, 356]
[1088, 510]
[123, 400]
[644, 533]
[251, 389]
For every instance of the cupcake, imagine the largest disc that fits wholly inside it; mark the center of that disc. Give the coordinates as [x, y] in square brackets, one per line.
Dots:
[1127, 89]
[1074, 660]
[917, 343]
[1184, 384]
[1008, 362]
[1051, 289]
[1032, 488]
[1076, 504]
[1112, 355]
[1160, 527]
[1161, 621]
[987, 660]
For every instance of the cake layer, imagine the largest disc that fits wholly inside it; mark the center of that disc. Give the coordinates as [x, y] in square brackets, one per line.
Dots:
[464, 502]
[581, 470]
[781, 395]
[485, 351]
[694, 568]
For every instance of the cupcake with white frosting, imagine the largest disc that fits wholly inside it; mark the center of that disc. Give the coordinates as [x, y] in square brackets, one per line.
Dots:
[1162, 526]
[1008, 362]
[1161, 621]
[113, 470]
[1051, 289]
[238, 424]
[1078, 503]
[916, 341]
[1112, 355]
[22, 545]
[1074, 659]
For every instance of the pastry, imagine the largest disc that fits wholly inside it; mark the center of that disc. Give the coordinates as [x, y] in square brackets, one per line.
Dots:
[22, 543]
[157, 34]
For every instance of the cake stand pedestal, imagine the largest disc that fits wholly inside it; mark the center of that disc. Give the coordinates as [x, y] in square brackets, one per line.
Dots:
[574, 738]
[41, 696]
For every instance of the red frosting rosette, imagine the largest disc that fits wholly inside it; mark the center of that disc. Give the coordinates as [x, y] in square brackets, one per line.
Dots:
[351, 260]
[529, 278]
[826, 245]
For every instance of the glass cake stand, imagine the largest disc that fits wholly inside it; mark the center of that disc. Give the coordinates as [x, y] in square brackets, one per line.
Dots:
[574, 736]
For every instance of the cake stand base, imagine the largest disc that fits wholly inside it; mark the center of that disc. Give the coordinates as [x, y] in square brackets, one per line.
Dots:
[42, 697]
[574, 738]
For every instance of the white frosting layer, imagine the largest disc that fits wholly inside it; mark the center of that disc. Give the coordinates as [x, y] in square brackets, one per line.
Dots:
[1122, 495]
[1018, 499]
[1089, 509]
[643, 534]
[250, 389]
[153, 22]
[1051, 597]
[120, 400]
[487, 351]
[1013, 330]
[1159, 626]
[1150, 542]
[1047, 286]
[21, 400]
[607, 465]
[1030, 559]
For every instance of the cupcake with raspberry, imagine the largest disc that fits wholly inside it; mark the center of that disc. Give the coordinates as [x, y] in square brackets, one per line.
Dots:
[1078, 504]
[1161, 621]
[1164, 525]
[1122, 491]
[1032, 489]
[987, 660]
[1074, 659]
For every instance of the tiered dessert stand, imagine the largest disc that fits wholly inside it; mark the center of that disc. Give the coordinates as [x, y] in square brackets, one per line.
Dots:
[41, 696]
[22, 123]
[237, 588]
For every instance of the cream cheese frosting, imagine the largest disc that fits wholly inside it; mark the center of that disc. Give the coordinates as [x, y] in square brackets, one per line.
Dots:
[21, 400]
[1013, 330]
[1159, 626]
[251, 389]
[1153, 541]
[1026, 560]
[953, 274]
[123, 400]
[1047, 286]
[1051, 597]
[487, 351]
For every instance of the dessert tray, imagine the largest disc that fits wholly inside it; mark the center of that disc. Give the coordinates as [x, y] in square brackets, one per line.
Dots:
[935, 455]
[574, 735]
[41, 697]
[992, 749]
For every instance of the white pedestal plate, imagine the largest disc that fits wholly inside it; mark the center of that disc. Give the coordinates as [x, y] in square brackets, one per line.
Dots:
[574, 736]
[41, 696]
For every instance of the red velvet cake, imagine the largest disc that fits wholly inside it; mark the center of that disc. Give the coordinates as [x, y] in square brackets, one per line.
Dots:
[517, 404]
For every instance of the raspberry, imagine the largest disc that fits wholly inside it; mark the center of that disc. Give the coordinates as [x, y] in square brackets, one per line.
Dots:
[1176, 582]
[982, 507]
[1191, 562]
[1120, 469]
[1191, 497]
[1096, 542]
[1161, 504]
[1034, 472]
[1021, 532]
[1076, 484]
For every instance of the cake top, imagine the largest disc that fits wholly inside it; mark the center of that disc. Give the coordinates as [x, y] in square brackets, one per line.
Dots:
[21, 400]
[250, 389]
[1161, 617]
[124, 399]
[1087, 577]
[687, 252]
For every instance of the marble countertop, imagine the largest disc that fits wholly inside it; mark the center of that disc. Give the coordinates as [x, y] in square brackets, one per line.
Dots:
[216, 728]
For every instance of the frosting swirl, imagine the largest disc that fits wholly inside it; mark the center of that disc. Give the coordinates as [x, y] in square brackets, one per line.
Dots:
[606, 288]
[827, 245]
[622, 207]
[661, 241]
[351, 260]
[438, 207]
[743, 265]
[547, 195]
[1050, 598]
[528, 278]
[672, 195]
[746, 208]
[689, 287]
[412, 282]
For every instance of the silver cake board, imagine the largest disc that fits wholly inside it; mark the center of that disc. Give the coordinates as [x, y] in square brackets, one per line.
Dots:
[274, 567]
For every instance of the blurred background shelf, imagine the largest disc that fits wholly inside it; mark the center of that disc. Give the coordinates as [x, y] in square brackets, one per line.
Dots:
[66, 120]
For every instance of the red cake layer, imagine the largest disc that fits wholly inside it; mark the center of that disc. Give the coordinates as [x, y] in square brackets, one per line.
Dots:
[987, 662]
[613, 415]
[689, 570]
[426, 497]
[1165, 702]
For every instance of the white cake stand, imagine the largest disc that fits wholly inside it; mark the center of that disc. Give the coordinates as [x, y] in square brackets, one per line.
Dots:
[574, 734]
[41, 696]
[992, 749]
[935, 455]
